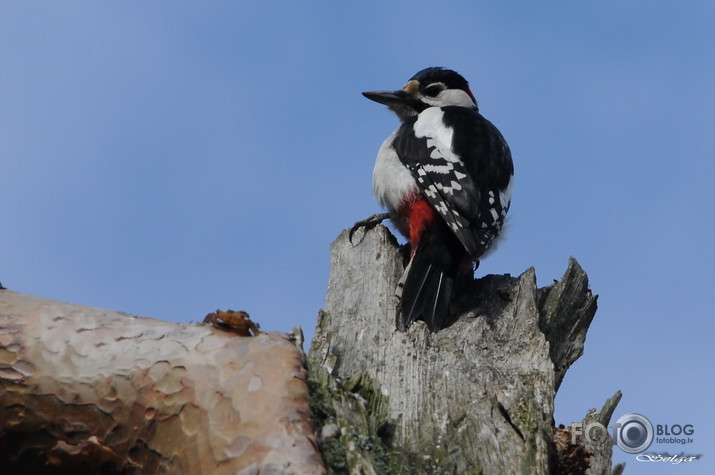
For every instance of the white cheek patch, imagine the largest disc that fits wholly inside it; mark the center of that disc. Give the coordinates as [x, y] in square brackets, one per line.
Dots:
[450, 97]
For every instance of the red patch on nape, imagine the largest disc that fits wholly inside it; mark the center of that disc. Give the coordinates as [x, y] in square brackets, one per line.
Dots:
[421, 215]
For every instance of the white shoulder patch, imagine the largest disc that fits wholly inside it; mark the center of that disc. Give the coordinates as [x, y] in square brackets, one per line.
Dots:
[430, 124]
[505, 194]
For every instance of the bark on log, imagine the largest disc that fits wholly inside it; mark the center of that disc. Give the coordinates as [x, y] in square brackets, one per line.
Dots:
[84, 390]
[476, 397]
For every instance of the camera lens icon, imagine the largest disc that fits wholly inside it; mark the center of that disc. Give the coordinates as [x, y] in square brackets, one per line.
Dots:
[634, 433]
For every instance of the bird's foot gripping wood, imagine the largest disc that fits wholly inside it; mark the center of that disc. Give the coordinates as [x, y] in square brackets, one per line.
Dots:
[368, 224]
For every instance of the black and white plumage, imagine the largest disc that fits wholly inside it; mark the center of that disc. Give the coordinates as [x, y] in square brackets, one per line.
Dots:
[445, 176]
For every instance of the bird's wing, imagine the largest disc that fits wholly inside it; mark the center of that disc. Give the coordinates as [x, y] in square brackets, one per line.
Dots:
[465, 190]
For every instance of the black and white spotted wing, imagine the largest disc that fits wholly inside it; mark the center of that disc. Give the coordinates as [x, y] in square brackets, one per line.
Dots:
[463, 167]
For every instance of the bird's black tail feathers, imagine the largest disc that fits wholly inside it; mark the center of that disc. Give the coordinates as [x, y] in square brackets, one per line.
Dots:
[428, 282]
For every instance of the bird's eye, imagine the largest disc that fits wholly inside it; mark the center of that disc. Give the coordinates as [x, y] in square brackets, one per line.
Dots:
[433, 90]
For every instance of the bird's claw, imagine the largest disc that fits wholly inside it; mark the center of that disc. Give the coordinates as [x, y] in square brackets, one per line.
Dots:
[368, 224]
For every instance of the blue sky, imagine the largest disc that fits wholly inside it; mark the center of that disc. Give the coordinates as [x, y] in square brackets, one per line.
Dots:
[170, 158]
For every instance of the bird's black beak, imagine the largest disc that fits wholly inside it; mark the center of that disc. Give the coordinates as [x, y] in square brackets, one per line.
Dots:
[388, 98]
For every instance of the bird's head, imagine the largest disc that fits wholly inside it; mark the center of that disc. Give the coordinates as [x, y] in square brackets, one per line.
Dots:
[431, 87]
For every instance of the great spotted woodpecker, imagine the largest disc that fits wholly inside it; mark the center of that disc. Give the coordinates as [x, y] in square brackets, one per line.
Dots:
[445, 176]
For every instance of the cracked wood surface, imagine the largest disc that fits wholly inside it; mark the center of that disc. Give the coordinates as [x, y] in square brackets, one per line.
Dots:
[475, 397]
[98, 390]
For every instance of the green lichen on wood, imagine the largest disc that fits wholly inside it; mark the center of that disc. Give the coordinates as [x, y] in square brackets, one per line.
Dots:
[358, 409]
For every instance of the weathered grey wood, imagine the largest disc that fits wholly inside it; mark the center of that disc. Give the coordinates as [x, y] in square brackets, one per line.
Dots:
[601, 449]
[475, 397]
[567, 309]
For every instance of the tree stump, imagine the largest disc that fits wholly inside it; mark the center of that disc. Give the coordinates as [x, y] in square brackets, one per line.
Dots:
[476, 397]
